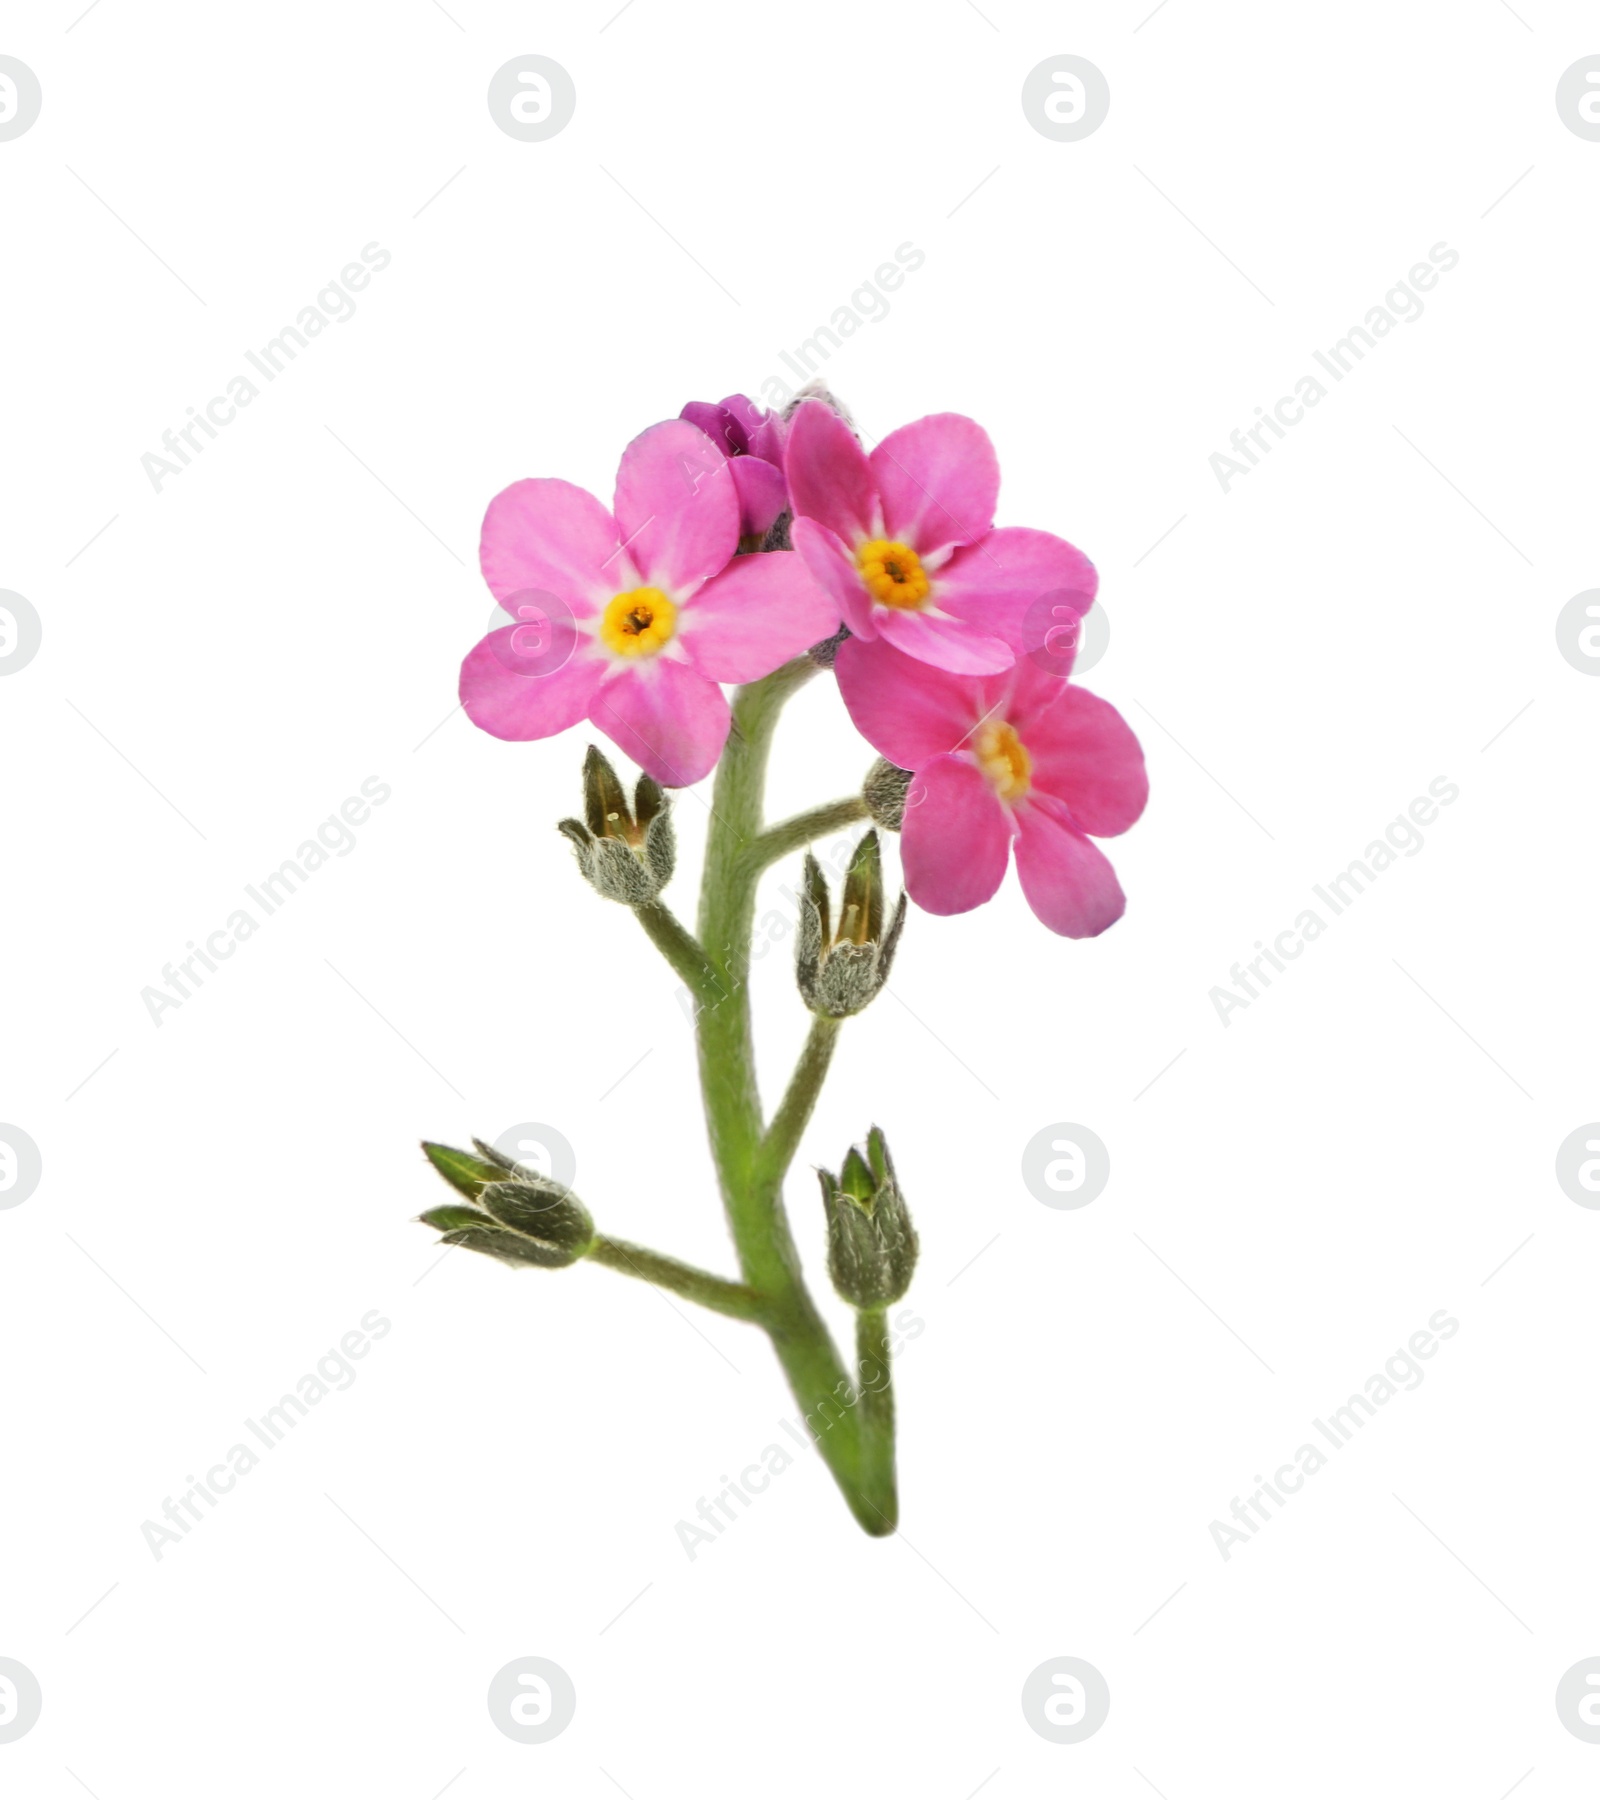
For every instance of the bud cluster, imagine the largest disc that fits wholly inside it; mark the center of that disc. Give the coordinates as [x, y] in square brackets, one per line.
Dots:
[512, 1213]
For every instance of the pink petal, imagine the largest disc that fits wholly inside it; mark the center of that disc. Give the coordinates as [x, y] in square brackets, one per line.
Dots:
[759, 612]
[946, 643]
[762, 494]
[830, 479]
[768, 439]
[956, 837]
[676, 507]
[668, 717]
[713, 422]
[940, 479]
[1083, 751]
[1011, 583]
[748, 416]
[831, 563]
[549, 537]
[1068, 883]
[908, 711]
[516, 706]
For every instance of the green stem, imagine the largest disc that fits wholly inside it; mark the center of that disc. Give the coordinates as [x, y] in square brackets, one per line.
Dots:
[805, 828]
[729, 1297]
[751, 1163]
[783, 1135]
[723, 1027]
[680, 947]
[876, 1372]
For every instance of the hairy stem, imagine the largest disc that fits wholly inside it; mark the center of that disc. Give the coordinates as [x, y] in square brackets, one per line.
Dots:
[783, 1135]
[805, 828]
[680, 947]
[723, 1027]
[875, 1370]
[729, 1297]
[751, 1163]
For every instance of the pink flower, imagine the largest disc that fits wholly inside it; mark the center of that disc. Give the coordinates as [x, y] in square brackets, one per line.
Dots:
[752, 440]
[631, 619]
[904, 540]
[1020, 758]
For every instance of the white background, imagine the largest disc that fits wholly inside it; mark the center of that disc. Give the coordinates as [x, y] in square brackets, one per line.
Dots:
[1293, 1196]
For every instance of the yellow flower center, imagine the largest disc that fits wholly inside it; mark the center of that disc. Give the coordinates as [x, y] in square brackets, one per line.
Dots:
[893, 573]
[1003, 759]
[638, 623]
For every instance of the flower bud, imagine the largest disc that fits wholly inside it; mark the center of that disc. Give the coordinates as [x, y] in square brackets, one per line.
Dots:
[841, 969]
[824, 652]
[884, 791]
[872, 1248]
[817, 389]
[626, 856]
[512, 1213]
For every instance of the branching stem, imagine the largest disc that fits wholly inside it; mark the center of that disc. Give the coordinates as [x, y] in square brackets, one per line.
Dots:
[680, 947]
[853, 1425]
[730, 1297]
[805, 828]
